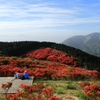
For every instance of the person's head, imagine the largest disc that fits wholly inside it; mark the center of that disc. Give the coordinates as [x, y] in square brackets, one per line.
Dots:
[18, 71]
[25, 71]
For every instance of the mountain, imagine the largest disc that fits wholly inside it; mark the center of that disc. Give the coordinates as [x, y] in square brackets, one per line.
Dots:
[89, 43]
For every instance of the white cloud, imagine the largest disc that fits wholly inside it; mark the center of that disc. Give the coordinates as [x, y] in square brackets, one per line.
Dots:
[44, 23]
[32, 10]
[21, 11]
[18, 17]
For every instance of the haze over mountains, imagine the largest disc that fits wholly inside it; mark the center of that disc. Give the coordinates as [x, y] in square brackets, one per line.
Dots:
[89, 43]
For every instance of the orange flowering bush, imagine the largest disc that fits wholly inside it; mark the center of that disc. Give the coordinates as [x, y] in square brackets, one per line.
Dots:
[92, 90]
[33, 92]
[6, 87]
[59, 66]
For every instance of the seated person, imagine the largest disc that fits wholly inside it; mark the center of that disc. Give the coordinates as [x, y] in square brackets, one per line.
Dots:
[25, 75]
[18, 75]
[15, 75]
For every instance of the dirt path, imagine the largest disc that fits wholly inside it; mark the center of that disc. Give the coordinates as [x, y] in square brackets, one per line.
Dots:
[15, 85]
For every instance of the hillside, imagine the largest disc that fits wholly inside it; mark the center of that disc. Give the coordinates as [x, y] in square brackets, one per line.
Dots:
[89, 43]
[47, 63]
[57, 76]
[19, 48]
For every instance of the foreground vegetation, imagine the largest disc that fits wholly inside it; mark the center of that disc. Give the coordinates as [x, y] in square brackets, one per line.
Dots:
[56, 90]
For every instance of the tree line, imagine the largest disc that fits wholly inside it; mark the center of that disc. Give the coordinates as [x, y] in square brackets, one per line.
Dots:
[86, 60]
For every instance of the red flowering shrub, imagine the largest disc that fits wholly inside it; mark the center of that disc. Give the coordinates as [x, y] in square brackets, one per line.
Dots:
[48, 91]
[6, 87]
[52, 55]
[92, 90]
[85, 83]
[59, 66]
[46, 69]
[33, 92]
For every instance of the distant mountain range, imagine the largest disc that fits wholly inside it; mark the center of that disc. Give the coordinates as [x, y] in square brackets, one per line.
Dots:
[88, 43]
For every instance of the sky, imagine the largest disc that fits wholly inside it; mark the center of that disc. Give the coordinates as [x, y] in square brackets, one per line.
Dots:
[48, 20]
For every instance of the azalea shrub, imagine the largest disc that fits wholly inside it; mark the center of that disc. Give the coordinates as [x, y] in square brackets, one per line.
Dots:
[46, 63]
[32, 92]
[92, 90]
[6, 86]
[47, 53]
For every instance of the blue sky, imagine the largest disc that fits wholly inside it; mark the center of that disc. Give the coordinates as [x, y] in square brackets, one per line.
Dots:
[48, 20]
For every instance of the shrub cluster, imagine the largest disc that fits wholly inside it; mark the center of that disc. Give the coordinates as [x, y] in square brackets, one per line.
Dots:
[92, 90]
[32, 92]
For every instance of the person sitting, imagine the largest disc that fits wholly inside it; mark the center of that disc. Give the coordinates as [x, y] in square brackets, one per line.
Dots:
[25, 75]
[18, 75]
[15, 75]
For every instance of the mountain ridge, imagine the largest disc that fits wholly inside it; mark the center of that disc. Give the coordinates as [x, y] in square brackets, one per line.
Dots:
[89, 43]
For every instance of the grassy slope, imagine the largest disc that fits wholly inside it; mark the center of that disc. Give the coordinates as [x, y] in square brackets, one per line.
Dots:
[67, 90]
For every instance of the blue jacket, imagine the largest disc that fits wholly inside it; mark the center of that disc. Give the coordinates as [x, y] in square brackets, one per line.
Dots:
[26, 75]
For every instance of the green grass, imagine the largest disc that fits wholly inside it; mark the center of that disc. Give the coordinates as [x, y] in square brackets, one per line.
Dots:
[98, 83]
[1, 98]
[59, 91]
[70, 88]
[81, 95]
[39, 82]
